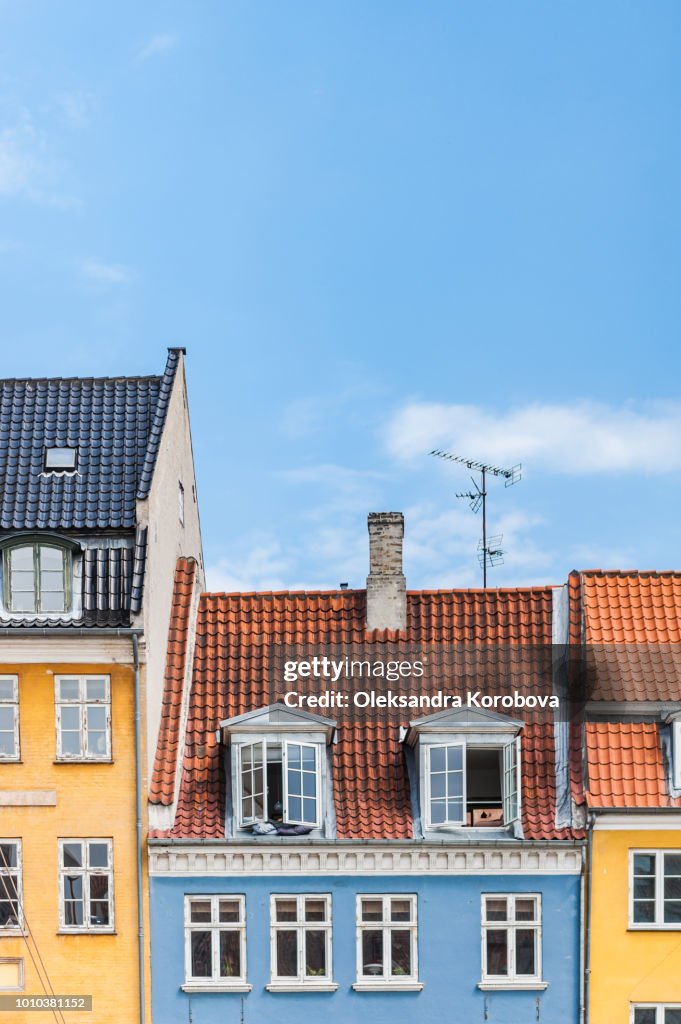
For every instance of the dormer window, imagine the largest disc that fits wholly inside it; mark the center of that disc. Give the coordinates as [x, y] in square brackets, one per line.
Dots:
[37, 578]
[469, 770]
[278, 768]
[61, 460]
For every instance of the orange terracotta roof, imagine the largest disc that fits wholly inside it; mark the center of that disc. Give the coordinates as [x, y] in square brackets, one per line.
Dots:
[163, 777]
[625, 766]
[630, 624]
[234, 641]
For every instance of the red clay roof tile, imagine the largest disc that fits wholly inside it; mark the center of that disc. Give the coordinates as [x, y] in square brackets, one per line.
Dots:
[625, 766]
[371, 788]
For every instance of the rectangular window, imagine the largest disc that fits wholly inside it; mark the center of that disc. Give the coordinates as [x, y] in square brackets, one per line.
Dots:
[474, 786]
[86, 885]
[215, 940]
[83, 712]
[11, 918]
[11, 974]
[511, 937]
[61, 459]
[676, 753]
[279, 782]
[655, 889]
[9, 718]
[301, 939]
[656, 1013]
[387, 939]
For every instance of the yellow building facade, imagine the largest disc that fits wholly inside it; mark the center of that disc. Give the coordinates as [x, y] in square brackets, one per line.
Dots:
[48, 803]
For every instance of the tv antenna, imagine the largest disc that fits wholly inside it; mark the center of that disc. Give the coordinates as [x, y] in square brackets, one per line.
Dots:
[490, 552]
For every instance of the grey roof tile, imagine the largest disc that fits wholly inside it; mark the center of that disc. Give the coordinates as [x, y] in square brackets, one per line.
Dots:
[115, 423]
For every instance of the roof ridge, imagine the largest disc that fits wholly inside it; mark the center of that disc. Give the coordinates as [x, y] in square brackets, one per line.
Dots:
[135, 378]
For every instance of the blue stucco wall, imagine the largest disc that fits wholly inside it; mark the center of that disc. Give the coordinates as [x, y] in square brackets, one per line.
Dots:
[449, 954]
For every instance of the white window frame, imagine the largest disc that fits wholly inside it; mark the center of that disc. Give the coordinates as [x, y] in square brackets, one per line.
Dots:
[285, 744]
[510, 769]
[386, 980]
[302, 981]
[659, 923]
[18, 928]
[19, 961]
[216, 983]
[658, 1007]
[12, 703]
[83, 703]
[86, 872]
[512, 979]
[36, 547]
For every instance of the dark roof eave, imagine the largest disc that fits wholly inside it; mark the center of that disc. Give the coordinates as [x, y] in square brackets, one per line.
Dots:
[29, 632]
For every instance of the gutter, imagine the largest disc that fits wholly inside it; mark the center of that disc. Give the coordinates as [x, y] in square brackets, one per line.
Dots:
[31, 632]
[138, 826]
[587, 929]
[254, 843]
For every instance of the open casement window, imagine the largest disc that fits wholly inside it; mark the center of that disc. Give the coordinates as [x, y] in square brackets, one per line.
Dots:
[472, 785]
[386, 939]
[215, 941]
[511, 938]
[37, 578]
[279, 782]
[301, 940]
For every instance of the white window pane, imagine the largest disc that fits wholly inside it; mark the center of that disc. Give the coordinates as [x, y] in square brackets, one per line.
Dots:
[51, 559]
[400, 947]
[229, 911]
[645, 1015]
[525, 909]
[72, 855]
[438, 759]
[372, 952]
[315, 953]
[98, 855]
[497, 908]
[60, 458]
[95, 689]
[315, 910]
[672, 1016]
[200, 911]
[372, 910]
[7, 719]
[286, 910]
[69, 689]
[70, 744]
[202, 961]
[496, 940]
[22, 558]
[70, 718]
[8, 855]
[525, 952]
[99, 901]
[454, 759]
[8, 747]
[7, 689]
[230, 954]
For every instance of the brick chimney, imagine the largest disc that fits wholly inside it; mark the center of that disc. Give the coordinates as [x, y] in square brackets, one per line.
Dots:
[386, 585]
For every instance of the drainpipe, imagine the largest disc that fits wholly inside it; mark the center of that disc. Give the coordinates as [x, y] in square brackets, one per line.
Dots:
[582, 938]
[138, 825]
[589, 861]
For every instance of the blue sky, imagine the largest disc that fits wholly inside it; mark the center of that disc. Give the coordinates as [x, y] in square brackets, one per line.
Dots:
[378, 226]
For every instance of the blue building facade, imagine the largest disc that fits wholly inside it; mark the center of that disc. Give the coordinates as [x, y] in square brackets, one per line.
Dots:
[393, 867]
[449, 939]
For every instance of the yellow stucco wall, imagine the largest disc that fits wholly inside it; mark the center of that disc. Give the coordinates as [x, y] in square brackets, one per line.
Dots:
[93, 800]
[627, 966]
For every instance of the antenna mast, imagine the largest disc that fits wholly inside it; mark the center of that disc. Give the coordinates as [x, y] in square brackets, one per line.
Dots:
[489, 551]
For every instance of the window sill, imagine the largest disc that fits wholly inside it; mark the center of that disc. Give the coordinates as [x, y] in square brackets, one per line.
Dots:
[676, 927]
[302, 986]
[196, 986]
[83, 760]
[86, 931]
[388, 986]
[12, 933]
[513, 986]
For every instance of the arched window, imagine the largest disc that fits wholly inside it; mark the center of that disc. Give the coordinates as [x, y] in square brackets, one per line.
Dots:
[37, 578]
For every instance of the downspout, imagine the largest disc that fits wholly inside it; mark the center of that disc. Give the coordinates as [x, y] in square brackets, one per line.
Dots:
[138, 826]
[582, 939]
[589, 862]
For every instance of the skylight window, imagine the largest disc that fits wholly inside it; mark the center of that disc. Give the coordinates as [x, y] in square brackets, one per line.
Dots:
[61, 459]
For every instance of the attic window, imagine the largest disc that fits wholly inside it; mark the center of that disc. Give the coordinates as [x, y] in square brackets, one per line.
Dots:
[61, 460]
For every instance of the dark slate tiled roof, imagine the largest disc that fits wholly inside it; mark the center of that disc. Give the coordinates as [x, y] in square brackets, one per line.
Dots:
[116, 425]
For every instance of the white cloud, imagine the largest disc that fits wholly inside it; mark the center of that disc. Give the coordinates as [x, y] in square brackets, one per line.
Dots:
[76, 107]
[162, 42]
[106, 273]
[257, 564]
[576, 438]
[24, 167]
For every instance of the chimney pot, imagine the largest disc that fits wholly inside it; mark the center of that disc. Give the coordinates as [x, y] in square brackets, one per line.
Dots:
[386, 584]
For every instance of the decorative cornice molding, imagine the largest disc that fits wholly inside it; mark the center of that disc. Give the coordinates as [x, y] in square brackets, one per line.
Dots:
[401, 859]
[65, 650]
